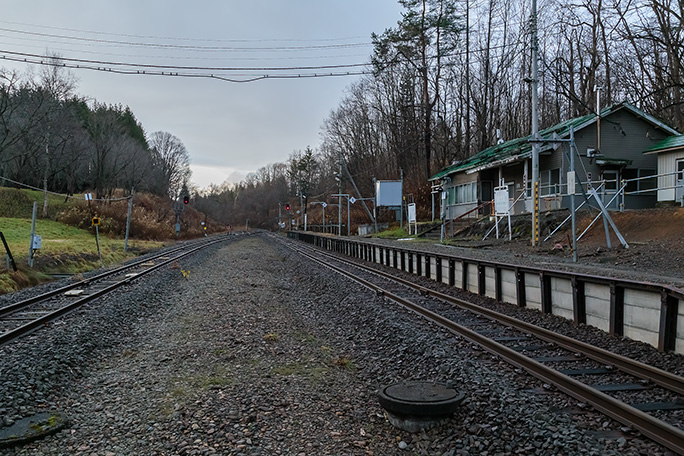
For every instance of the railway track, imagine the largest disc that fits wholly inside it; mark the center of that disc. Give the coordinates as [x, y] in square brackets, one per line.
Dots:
[643, 397]
[23, 317]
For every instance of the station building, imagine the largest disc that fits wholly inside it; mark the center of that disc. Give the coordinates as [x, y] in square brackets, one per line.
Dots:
[615, 152]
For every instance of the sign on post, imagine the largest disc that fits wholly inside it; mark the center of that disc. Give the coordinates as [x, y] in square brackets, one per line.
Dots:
[501, 200]
[502, 208]
[571, 183]
[412, 217]
[388, 193]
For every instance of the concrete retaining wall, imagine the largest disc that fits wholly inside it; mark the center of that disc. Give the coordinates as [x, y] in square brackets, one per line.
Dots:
[647, 312]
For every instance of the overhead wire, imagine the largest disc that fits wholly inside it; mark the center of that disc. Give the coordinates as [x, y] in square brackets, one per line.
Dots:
[220, 40]
[125, 198]
[182, 46]
[179, 57]
[211, 72]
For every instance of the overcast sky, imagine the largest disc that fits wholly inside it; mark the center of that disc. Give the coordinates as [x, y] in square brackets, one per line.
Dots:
[227, 127]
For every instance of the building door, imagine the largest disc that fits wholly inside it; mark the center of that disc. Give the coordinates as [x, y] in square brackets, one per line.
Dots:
[487, 194]
[679, 186]
[610, 188]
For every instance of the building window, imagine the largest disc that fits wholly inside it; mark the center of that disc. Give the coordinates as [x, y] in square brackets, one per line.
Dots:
[610, 180]
[549, 181]
[463, 194]
[639, 180]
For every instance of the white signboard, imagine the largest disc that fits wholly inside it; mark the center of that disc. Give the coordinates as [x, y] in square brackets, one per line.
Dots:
[501, 203]
[352, 200]
[412, 213]
[324, 205]
[388, 193]
[571, 183]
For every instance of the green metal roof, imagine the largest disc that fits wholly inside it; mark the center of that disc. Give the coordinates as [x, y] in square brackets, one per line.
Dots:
[513, 150]
[671, 142]
[521, 148]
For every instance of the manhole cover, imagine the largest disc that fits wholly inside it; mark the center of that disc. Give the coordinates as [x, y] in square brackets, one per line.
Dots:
[31, 428]
[418, 398]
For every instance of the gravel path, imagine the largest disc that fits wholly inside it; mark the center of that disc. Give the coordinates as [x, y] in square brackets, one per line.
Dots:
[259, 353]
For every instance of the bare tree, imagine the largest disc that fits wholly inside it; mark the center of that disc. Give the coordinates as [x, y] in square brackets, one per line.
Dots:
[171, 161]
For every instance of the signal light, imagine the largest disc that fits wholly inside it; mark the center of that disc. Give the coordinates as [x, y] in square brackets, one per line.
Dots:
[287, 206]
[186, 199]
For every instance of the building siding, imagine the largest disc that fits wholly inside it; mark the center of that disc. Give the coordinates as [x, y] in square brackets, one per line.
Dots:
[667, 165]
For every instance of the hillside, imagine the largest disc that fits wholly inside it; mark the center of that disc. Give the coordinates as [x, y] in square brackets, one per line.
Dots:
[68, 237]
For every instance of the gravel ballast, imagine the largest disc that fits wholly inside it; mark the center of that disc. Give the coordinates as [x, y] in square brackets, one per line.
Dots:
[259, 352]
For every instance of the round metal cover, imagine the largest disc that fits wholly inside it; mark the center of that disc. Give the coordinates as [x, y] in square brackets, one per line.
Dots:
[32, 428]
[420, 398]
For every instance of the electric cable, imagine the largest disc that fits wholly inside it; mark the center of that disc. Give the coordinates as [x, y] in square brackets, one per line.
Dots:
[125, 198]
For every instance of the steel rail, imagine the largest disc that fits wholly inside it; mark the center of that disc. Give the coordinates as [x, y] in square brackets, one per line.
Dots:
[18, 305]
[638, 369]
[37, 323]
[660, 431]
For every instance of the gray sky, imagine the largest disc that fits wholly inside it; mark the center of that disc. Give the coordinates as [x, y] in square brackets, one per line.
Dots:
[227, 127]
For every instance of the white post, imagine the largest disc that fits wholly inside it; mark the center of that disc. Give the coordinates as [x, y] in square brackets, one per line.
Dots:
[572, 195]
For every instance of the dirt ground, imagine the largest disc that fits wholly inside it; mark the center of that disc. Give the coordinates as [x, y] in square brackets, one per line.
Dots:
[655, 239]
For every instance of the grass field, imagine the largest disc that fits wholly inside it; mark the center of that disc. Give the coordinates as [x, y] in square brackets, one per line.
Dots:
[64, 248]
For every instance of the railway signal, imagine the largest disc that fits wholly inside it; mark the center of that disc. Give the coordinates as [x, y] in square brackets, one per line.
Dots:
[287, 206]
[186, 199]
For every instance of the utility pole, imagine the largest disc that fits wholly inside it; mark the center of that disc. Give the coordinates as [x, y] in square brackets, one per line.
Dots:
[339, 206]
[401, 212]
[572, 194]
[597, 89]
[535, 127]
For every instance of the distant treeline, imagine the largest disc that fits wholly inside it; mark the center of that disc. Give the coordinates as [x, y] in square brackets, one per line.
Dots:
[52, 139]
[453, 77]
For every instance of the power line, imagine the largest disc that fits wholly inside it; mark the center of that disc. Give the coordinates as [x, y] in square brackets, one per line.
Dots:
[249, 78]
[178, 57]
[94, 32]
[177, 67]
[63, 194]
[182, 46]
